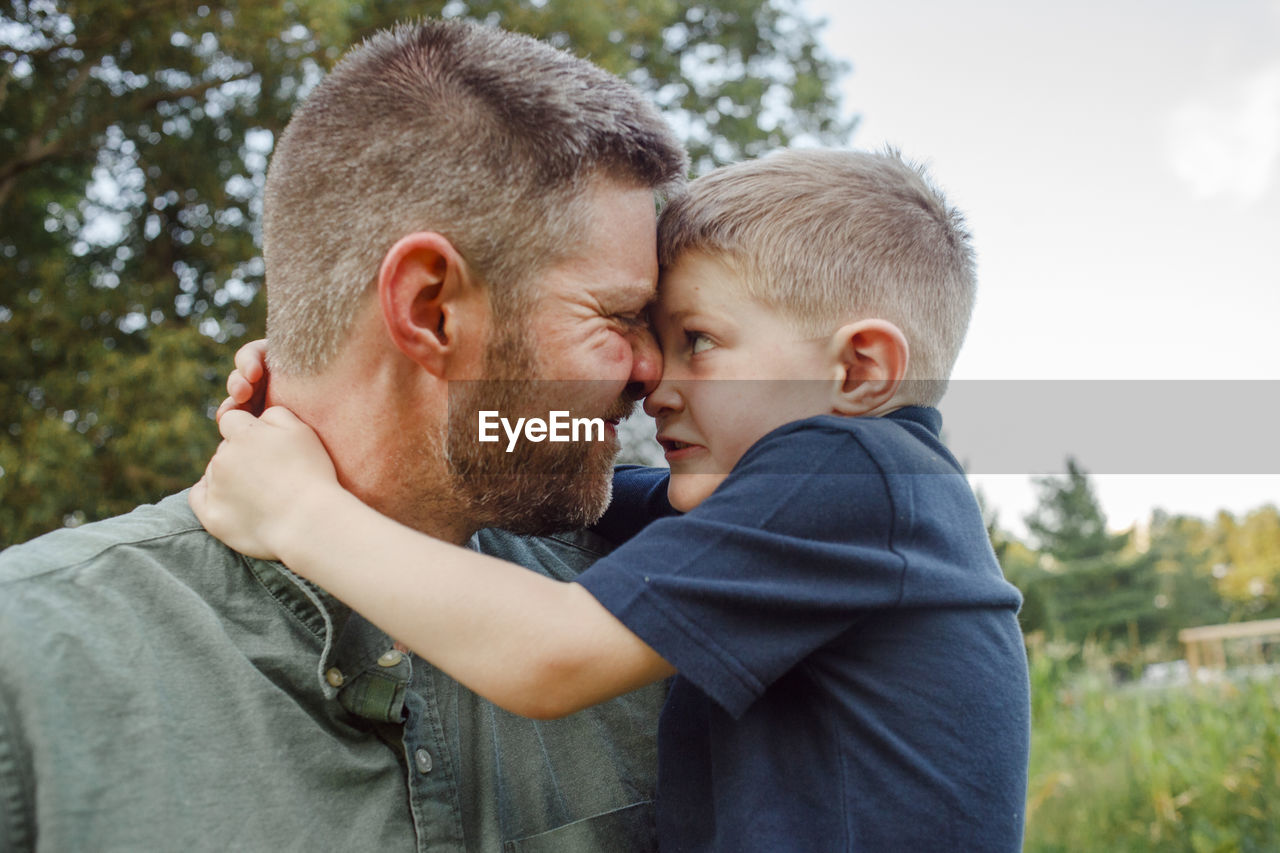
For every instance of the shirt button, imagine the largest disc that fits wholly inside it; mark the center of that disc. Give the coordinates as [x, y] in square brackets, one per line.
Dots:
[335, 677]
[422, 760]
[390, 658]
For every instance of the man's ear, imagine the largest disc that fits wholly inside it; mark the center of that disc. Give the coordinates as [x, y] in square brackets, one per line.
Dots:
[421, 288]
[870, 358]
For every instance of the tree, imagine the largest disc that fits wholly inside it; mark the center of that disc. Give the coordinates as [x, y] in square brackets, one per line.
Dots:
[1020, 566]
[1093, 583]
[1068, 522]
[1186, 551]
[1248, 572]
[134, 138]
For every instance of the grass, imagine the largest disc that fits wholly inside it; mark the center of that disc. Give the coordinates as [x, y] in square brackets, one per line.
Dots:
[1185, 768]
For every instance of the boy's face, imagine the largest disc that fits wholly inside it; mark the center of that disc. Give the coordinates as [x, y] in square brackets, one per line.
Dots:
[733, 370]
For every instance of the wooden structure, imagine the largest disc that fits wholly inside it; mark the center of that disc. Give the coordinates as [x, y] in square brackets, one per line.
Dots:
[1206, 645]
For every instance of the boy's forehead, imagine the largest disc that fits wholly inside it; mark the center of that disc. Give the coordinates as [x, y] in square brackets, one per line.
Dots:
[695, 278]
[671, 299]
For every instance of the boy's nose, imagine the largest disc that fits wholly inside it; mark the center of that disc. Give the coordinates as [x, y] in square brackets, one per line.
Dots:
[646, 365]
[664, 398]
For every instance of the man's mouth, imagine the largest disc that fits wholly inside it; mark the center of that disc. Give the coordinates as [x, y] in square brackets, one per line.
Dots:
[619, 412]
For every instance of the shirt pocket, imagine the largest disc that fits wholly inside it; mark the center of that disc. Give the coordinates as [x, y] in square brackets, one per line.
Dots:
[630, 829]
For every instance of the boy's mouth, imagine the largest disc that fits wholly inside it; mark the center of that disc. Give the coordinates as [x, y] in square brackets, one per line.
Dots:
[671, 445]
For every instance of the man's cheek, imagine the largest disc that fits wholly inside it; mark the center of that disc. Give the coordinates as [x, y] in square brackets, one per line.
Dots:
[615, 357]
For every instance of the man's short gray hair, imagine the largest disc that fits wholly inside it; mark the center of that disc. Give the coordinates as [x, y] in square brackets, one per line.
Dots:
[487, 137]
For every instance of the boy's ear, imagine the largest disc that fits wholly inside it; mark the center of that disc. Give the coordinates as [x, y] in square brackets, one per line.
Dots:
[870, 358]
[422, 285]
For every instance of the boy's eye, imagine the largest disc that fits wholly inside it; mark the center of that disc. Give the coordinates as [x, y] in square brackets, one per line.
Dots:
[699, 342]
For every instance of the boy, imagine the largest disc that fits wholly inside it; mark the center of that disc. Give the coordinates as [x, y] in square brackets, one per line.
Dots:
[849, 670]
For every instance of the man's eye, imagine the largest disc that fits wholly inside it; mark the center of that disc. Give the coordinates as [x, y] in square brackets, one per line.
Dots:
[699, 342]
[633, 322]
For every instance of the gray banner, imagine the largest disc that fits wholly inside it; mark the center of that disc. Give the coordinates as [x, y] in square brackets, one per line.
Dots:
[1023, 427]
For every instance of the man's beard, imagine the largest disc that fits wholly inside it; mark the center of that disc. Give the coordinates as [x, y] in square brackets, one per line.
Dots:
[538, 487]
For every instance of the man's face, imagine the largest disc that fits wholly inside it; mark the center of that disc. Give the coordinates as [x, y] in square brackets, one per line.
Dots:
[583, 347]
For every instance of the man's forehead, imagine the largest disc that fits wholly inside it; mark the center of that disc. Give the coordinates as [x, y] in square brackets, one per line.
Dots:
[615, 287]
[636, 292]
[616, 261]
[610, 293]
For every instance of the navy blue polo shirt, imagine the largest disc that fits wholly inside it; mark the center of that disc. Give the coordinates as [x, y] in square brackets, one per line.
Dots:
[851, 671]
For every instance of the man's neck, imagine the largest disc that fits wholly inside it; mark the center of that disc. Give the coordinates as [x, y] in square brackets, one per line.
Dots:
[382, 452]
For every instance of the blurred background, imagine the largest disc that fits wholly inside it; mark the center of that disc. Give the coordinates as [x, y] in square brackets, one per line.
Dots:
[1120, 168]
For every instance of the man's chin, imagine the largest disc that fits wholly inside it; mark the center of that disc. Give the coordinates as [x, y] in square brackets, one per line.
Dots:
[527, 486]
[547, 519]
[539, 493]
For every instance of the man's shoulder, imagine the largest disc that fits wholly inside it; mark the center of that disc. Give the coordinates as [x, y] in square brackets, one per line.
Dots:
[75, 550]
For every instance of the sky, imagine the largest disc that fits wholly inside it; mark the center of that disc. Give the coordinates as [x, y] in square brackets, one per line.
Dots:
[1119, 167]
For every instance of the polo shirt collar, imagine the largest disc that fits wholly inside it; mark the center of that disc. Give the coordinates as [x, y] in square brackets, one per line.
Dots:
[927, 416]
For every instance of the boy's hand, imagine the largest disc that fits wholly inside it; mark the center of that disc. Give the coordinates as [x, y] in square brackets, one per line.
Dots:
[247, 384]
[258, 490]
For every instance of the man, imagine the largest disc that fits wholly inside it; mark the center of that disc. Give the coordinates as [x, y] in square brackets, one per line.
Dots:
[453, 203]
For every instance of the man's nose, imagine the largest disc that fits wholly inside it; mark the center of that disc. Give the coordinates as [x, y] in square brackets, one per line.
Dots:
[646, 365]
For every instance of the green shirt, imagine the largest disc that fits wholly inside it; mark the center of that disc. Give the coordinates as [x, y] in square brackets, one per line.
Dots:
[159, 691]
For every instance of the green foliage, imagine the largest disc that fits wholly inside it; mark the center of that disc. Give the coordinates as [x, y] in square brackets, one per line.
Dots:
[737, 78]
[1089, 582]
[1137, 768]
[1068, 524]
[1185, 551]
[1132, 600]
[1248, 575]
[134, 138]
[132, 149]
[1021, 568]
[75, 465]
[1189, 768]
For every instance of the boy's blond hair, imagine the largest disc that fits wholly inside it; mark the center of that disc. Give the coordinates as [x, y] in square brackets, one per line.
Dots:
[824, 237]
[490, 138]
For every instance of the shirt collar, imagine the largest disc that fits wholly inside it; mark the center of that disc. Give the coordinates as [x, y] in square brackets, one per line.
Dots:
[927, 416]
[317, 611]
[358, 664]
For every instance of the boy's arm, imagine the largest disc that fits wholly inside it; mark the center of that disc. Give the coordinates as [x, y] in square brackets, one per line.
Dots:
[639, 498]
[535, 646]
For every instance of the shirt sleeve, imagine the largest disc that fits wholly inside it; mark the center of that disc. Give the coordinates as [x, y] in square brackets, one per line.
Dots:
[639, 498]
[792, 549]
